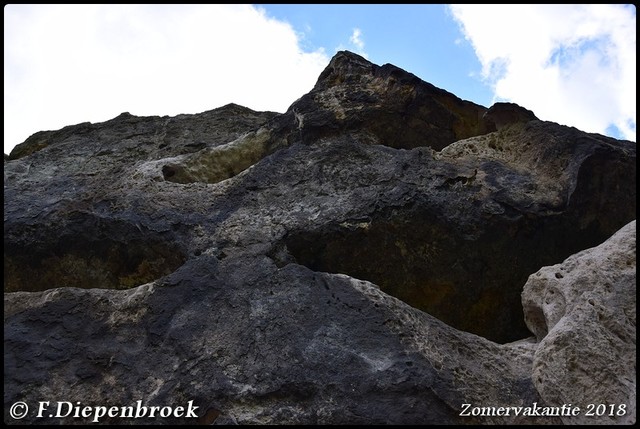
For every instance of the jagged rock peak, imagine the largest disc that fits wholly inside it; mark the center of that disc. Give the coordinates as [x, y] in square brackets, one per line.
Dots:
[503, 114]
[347, 68]
[343, 66]
[382, 105]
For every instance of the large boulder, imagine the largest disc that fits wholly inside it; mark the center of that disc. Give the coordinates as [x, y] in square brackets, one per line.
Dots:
[583, 313]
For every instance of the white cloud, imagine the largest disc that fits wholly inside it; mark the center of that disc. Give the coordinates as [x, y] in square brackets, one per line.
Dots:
[65, 64]
[357, 42]
[571, 64]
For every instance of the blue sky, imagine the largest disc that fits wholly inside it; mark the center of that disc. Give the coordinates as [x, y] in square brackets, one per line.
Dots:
[421, 38]
[66, 64]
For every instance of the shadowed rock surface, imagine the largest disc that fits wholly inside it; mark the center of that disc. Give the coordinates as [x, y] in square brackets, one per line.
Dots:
[357, 259]
[504, 114]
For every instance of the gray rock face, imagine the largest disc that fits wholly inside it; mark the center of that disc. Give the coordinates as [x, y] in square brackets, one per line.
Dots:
[357, 259]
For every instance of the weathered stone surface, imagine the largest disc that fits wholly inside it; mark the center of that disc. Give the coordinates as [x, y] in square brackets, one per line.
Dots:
[259, 344]
[503, 114]
[583, 312]
[58, 202]
[161, 136]
[385, 105]
[261, 255]
[376, 104]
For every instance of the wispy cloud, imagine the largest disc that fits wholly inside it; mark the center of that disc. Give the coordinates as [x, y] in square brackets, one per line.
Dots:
[572, 64]
[65, 64]
[357, 42]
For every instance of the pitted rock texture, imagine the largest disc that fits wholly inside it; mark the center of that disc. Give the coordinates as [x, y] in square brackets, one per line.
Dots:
[357, 259]
[583, 312]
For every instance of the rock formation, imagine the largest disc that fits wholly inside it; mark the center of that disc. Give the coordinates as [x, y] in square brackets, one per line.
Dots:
[360, 258]
[583, 312]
